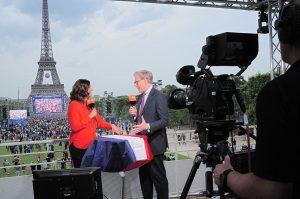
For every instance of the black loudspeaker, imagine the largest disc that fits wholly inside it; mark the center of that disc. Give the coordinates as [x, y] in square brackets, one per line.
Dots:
[77, 183]
[288, 23]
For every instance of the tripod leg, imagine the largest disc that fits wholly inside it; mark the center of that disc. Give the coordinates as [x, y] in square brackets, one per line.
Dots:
[221, 192]
[190, 179]
[209, 181]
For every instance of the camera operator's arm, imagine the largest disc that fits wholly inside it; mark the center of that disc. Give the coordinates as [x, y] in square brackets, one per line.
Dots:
[249, 185]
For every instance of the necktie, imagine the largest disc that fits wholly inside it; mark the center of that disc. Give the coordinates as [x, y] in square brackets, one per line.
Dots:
[141, 108]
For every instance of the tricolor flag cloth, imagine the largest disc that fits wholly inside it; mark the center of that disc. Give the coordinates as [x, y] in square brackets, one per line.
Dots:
[114, 153]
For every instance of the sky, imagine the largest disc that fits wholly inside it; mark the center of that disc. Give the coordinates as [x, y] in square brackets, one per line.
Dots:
[106, 41]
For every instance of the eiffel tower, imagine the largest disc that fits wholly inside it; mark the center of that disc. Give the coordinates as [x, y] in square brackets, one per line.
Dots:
[47, 97]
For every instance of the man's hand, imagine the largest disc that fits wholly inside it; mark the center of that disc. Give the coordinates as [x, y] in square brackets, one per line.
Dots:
[220, 168]
[133, 111]
[140, 127]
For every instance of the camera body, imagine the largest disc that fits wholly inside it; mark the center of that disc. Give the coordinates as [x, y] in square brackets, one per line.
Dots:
[209, 97]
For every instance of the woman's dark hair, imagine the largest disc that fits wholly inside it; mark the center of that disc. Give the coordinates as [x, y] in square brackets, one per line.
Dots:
[80, 90]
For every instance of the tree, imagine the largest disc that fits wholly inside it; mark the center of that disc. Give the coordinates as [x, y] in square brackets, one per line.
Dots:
[4, 113]
[250, 90]
[167, 88]
[120, 107]
[108, 107]
[99, 107]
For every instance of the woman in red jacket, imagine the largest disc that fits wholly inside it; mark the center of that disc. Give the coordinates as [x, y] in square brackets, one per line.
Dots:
[83, 121]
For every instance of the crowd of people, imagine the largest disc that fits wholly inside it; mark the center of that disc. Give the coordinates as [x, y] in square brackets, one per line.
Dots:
[35, 129]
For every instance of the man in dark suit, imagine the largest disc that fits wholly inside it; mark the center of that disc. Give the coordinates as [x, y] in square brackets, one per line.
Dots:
[151, 116]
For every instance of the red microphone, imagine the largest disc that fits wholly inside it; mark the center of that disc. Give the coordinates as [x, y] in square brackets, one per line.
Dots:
[132, 100]
[90, 103]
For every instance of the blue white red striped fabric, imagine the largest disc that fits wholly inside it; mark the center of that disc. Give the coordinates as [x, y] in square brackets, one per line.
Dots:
[116, 153]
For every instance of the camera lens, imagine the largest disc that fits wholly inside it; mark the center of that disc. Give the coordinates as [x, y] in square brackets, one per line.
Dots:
[177, 99]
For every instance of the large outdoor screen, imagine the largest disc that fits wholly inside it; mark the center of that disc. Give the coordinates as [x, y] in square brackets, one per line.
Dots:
[48, 104]
[18, 116]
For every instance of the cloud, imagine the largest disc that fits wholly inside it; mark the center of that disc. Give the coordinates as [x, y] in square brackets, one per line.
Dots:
[106, 41]
[16, 24]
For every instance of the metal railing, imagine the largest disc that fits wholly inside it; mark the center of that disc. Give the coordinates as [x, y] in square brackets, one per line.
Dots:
[22, 168]
[181, 142]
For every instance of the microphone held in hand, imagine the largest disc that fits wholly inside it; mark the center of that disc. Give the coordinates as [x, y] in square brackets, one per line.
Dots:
[132, 100]
[90, 103]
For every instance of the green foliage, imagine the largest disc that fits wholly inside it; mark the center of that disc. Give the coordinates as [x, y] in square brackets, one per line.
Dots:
[178, 117]
[100, 106]
[121, 107]
[166, 89]
[250, 90]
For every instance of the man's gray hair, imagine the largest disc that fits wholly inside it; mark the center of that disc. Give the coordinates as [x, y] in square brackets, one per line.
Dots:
[145, 74]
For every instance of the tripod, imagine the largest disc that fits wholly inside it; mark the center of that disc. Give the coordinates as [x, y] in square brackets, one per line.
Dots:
[205, 159]
[210, 154]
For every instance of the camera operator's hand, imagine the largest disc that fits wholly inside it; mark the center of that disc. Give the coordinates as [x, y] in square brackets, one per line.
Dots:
[133, 111]
[220, 168]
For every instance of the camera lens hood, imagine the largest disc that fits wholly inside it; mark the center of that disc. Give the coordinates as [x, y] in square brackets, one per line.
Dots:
[185, 74]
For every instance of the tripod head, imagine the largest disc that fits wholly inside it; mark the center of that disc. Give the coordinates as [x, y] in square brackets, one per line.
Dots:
[214, 132]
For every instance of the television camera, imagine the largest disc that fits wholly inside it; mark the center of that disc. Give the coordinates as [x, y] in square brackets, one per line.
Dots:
[209, 98]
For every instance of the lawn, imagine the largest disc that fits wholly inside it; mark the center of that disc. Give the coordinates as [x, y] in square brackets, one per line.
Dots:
[27, 159]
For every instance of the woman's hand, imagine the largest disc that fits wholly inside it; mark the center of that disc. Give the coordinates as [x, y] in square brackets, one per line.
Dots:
[116, 129]
[93, 113]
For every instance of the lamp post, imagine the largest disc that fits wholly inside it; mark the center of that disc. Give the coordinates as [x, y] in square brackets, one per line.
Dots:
[107, 105]
[6, 118]
[157, 84]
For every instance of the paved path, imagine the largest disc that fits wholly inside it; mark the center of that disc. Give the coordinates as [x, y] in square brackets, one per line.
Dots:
[186, 142]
